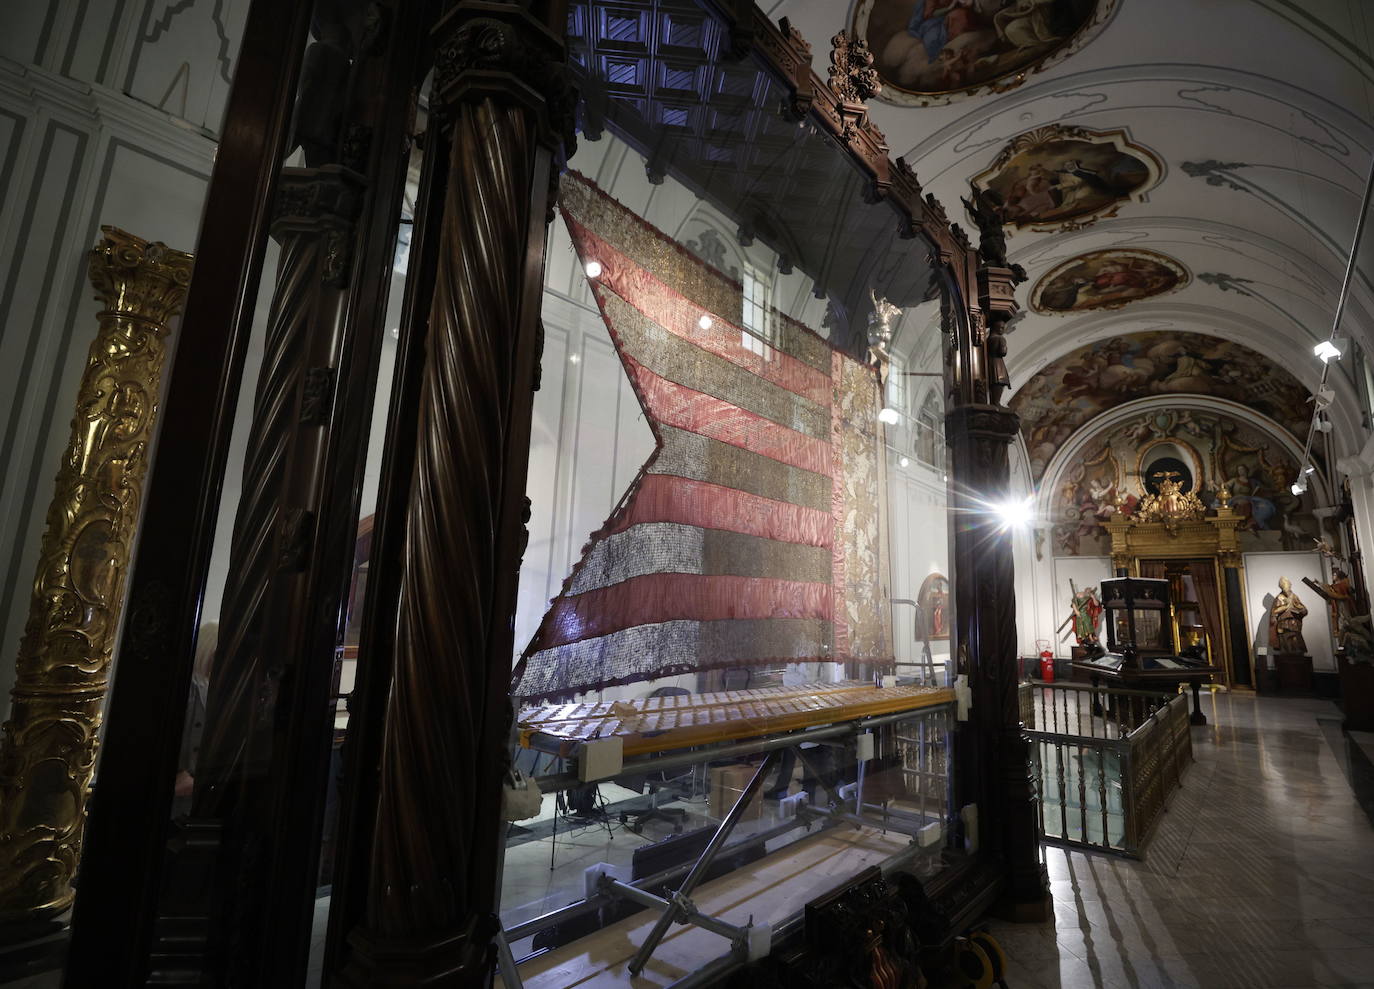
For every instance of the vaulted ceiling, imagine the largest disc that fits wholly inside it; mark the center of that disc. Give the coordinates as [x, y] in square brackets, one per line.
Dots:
[1252, 123]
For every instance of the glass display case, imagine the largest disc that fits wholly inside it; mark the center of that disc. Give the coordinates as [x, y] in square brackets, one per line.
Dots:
[570, 539]
[714, 692]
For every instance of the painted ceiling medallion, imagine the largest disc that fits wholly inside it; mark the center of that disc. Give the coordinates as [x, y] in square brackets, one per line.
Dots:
[934, 51]
[1063, 178]
[1107, 280]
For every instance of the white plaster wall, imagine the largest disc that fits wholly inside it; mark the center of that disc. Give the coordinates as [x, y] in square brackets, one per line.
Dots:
[1262, 573]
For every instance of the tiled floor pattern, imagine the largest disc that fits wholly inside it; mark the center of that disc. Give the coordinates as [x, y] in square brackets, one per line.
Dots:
[1260, 874]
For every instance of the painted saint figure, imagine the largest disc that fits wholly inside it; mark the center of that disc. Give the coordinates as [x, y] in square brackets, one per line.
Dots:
[1285, 621]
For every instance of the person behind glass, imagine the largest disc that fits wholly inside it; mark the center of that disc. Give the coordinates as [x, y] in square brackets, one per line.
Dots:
[194, 726]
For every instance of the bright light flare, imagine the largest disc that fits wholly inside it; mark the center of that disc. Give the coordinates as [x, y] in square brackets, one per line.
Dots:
[593, 269]
[705, 322]
[889, 415]
[1013, 513]
[1326, 350]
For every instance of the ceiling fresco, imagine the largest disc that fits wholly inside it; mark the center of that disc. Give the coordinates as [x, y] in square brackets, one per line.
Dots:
[1106, 280]
[933, 50]
[1063, 178]
[1067, 393]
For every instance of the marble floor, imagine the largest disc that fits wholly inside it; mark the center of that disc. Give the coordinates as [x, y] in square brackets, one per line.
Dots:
[1261, 873]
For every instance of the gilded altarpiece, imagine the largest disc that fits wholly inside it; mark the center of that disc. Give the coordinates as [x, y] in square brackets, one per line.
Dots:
[1190, 536]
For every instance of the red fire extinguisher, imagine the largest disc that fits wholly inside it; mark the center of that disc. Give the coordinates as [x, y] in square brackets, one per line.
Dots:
[1046, 660]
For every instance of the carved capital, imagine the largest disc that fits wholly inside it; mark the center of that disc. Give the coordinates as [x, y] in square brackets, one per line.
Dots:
[135, 278]
[989, 421]
[317, 199]
[484, 51]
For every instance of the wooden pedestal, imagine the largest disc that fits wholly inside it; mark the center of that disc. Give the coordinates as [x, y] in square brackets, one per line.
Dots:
[1357, 694]
[1294, 673]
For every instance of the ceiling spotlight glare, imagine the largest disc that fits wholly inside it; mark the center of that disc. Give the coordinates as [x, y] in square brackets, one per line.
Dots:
[1326, 350]
[1298, 486]
[593, 269]
[904, 461]
[1308, 469]
[890, 416]
[704, 322]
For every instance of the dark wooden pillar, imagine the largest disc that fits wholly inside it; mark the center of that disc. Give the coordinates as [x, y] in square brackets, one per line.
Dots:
[242, 871]
[993, 756]
[501, 94]
[118, 882]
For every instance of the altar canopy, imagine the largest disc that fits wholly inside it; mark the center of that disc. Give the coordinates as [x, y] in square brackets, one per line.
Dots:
[753, 535]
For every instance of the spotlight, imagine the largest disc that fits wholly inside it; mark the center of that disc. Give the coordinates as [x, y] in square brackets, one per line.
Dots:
[890, 416]
[704, 322]
[1299, 486]
[1308, 469]
[1013, 514]
[1327, 350]
[593, 269]
[1323, 424]
[904, 461]
[1325, 396]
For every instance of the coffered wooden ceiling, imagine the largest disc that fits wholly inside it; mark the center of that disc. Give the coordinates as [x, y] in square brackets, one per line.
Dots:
[1260, 117]
[657, 72]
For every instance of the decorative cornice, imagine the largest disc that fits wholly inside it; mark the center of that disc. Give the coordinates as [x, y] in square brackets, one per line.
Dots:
[505, 53]
[91, 108]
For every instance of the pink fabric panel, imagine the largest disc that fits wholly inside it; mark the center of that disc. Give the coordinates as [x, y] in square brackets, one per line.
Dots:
[667, 597]
[697, 412]
[665, 498]
[679, 315]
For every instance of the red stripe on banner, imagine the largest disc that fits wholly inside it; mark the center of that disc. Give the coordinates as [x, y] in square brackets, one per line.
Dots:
[698, 412]
[837, 504]
[667, 597]
[667, 498]
[680, 316]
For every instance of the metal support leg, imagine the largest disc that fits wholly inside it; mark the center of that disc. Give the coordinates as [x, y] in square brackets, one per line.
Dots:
[510, 972]
[674, 909]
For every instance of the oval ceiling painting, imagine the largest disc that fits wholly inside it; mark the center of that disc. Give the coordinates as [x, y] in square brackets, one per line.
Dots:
[931, 51]
[1106, 280]
[1063, 178]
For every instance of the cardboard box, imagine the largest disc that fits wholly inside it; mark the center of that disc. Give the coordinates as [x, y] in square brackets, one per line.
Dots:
[726, 785]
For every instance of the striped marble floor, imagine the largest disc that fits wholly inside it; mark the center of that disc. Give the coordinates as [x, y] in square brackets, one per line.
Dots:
[1260, 874]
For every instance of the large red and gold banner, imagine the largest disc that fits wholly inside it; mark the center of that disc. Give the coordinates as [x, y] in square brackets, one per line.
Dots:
[752, 536]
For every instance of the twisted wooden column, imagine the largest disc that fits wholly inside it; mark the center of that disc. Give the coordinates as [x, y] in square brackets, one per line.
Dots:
[48, 752]
[500, 86]
[227, 868]
[274, 522]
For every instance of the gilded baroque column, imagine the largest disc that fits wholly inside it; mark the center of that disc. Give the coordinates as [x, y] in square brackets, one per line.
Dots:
[502, 98]
[48, 751]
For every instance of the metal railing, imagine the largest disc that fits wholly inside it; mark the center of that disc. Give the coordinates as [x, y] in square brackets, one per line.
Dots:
[1102, 779]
